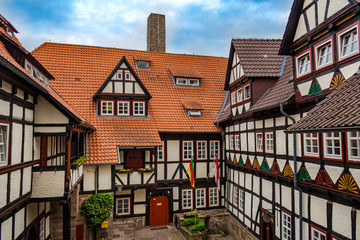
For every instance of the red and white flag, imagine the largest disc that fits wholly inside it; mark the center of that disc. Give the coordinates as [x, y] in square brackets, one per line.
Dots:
[217, 173]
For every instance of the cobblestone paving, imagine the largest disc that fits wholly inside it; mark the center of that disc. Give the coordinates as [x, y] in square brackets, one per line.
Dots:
[164, 233]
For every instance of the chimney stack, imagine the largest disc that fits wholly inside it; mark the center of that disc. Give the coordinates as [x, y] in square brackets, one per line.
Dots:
[156, 33]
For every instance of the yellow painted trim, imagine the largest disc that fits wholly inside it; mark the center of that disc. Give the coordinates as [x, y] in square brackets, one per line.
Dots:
[345, 19]
[321, 34]
[300, 47]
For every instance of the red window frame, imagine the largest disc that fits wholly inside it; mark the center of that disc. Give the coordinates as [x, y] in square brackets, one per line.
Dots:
[218, 197]
[338, 42]
[318, 229]
[133, 108]
[182, 198]
[338, 159]
[101, 108]
[205, 196]
[7, 140]
[244, 96]
[117, 107]
[317, 47]
[281, 220]
[218, 149]
[300, 55]
[206, 150]
[318, 145]
[182, 150]
[116, 205]
[256, 142]
[243, 199]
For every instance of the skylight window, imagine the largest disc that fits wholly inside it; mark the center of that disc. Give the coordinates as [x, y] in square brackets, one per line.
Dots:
[194, 113]
[143, 65]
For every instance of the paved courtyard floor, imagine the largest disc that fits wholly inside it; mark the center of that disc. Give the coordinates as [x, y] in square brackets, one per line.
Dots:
[161, 233]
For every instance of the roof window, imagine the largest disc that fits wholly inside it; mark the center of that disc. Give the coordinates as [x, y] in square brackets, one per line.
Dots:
[143, 65]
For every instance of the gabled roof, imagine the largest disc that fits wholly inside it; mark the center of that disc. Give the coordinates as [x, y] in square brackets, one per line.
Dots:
[281, 91]
[340, 109]
[185, 71]
[258, 57]
[91, 65]
[47, 91]
[123, 60]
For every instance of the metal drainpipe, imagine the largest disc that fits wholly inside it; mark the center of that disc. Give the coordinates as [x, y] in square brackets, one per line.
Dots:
[295, 169]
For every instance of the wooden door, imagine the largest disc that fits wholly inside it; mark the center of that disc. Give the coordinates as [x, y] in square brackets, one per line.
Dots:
[134, 159]
[79, 232]
[267, 226]
[159, 211]
[43, 157]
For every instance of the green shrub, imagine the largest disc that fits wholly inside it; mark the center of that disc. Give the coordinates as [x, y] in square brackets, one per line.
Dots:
[97, 208]
[200, 225]
[188, 222]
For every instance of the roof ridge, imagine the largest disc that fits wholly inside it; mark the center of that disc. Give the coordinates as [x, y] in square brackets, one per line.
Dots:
[124, 49]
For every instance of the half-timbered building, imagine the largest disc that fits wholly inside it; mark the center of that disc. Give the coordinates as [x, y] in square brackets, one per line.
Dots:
[41, 139]
[299, 181]
[153, 112]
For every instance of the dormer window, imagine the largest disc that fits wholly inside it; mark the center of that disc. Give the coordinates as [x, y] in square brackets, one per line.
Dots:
[9, 32]
[107, 107]
[192, 82]
[246, 92]
[145, 65]
[181, 81]
[139, 108]
[192, 109]
[194, 113]
[29, 68]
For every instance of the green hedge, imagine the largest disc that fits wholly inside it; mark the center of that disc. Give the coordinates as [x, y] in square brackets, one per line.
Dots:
[190, 222]
[97, 208]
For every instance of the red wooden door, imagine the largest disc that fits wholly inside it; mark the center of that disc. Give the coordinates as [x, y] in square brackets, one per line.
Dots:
[134, 160]
[159, 211]
[79, 232]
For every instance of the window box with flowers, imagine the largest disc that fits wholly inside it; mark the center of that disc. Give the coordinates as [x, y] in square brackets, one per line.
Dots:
[78, 162]
[145, 169]
[125, 170]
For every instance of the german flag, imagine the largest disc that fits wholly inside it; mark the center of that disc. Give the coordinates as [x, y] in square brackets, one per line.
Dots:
[191, 173]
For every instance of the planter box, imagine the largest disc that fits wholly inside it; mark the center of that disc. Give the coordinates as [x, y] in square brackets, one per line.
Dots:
[203, 235]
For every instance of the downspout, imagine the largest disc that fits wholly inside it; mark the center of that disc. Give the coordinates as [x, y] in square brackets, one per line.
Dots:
[295, 168]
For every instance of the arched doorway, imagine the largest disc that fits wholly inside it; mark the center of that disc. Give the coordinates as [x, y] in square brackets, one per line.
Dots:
[159, 210]
[267, 226]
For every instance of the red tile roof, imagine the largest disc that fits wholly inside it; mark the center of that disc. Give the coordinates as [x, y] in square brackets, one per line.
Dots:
[94, 64]
[339, 109]
[192, 105]
[259, 57]
[142, 58]
[185, 71]
[280, 92]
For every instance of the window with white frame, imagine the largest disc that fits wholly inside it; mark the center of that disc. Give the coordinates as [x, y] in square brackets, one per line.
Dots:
[194, 113]
[324, 55]
[181, 81]
[200, 197]
[160, 152]
[187, 199]
[214, 149]
[194, 82]
[236, 196]
[269, 142]
[42, 229]
[123, 108]
[139, 108]
[348, 43]
[354, 145]
[119, 76]
[187, 150]
[311, 144]
[240, 95]
[123, 206]
[241, 200]
[246, 92]
[201, 150]
[107, 107]
[332, 145]
[303, 64]
[285, 226]
[213, 197]
[317, 234]
[233, 98]
[4, 141]
[143, 65]
[237, 141]
[259, 142]
[231, 142]
[127, 75]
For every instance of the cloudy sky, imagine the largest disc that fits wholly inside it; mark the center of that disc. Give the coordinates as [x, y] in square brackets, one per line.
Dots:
[203, 27]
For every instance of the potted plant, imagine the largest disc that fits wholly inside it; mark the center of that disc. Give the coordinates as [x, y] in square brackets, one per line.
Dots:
[145, 169]
[78, 162]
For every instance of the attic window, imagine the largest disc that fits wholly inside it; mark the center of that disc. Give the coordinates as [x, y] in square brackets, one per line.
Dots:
[145, 65]
[194, 113]
[29, 68]
[193, 82]
[9, 32]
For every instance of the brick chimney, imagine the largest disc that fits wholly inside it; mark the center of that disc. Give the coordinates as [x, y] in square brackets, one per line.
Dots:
[156, 33]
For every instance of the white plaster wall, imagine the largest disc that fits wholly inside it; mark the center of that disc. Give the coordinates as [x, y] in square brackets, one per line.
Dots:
[357, 222]
[286, 197]
[140, 195]
[267, 189]
[321, 12]
[270, 161]
[227, 142]
[256, 185]
[243, 142]
[247, 106]
[259, 124]
[118, 87]
[356, 174]
[50, 129]
[334, 172]
[47, 113]
[301, 28]
[280, 142]
[175, 193]
[171, 168]
[280, 121]
[135, 178]
[269, 122]
[28, 142]
[201, 171]
[16, 143]
[304, 88]
[236, 127]
[19, 222]
[17, 112]
[236, 176]
[311, 16]
[14, 185]
[325, 80]
[247, 203]
[26, 180]
[128, 87]
[105, 177]
[3, 191]
[47, 226]
[4, 108]
[256, 202]
[342, 219]
[173, 150]
[48, 184]
[251, 142]
[37, 147]
[336, 5]
[250, 125]
[20, 94]
[231, 128]
[6, 87]
[108, 88]
[175, 206]
[7, 224]
[241, 179]
[139, 209]
[313, 169]
[318, 211]
[248, 181]
[31, 212]
[349, 70]
[304, 203]
[89, 178]
[160, 172]
[31, 99]
[138, 89]
[242, 126]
